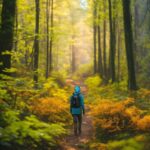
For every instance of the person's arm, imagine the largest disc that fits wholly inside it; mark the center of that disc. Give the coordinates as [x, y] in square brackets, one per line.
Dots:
[82, 104]
[70, 104]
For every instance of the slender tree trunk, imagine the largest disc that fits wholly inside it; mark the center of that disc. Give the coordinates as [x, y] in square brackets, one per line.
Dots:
[36, 43]
[112, 46]
[47, 37]
[100, 62]
[136, 34]
[73, 56]
[118, 56]
[51, 37]
[129, 45]
[104, 44]
[26, 56]
[94, 38]
[100, 65]
[16, 30]
[7, 33]
[57, 58]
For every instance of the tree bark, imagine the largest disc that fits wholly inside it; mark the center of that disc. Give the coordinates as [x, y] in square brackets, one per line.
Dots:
[112, 45]
[100, 62]
[7, 33]
[47, 37]
[73, 56]
[51, 37]
[100, 65]
[94, 37]
[104, 44]
[129, 45]
[36, 43]
[136, 34]
[118, 56]
[16, 30]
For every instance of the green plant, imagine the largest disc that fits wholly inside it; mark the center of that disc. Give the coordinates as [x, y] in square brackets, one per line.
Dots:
[29, 131]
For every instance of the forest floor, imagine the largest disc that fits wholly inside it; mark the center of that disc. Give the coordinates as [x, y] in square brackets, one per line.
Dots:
[72, 142]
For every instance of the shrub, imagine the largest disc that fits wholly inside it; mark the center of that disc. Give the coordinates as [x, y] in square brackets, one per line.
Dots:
[119, 119]
[135, 143]
[51, 109]
[29, 132]
[60, 77]
[93, 84]
[143, 124]
[111, 118]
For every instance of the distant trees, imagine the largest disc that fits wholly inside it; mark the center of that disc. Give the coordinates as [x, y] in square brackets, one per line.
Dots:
[51, 35]
[107, 63]
[7, 33]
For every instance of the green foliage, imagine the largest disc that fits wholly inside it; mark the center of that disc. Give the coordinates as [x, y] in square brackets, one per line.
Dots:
[97, 90]
[93, 82]
[50, 84]
[18, 127]
[135, 143]
[18, 131]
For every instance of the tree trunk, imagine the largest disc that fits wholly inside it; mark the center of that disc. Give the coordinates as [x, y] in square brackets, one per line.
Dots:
[36, 42]
[136, 34]
[118, 57]
[112, 46]
[47, 37]
[100, 62]
[16, 30]
[51, 37]
[129, 45]
[7, 33]
[100, 66]
[104, 44]
[94, 37]
[73, 56]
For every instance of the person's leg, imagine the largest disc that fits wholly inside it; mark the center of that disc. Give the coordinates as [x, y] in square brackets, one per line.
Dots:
[75, 121]
[80, 123]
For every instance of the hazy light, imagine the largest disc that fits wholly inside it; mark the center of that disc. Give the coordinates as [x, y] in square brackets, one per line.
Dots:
[83, 4]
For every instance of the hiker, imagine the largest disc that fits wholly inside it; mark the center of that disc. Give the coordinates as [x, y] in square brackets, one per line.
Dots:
[77, 109]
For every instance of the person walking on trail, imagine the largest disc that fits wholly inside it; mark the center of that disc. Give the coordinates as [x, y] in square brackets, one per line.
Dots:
[77, 109]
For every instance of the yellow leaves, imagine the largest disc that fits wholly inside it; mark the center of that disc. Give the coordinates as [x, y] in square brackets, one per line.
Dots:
[60, 94]
[51, 108]
[93, 82]
[116, 116]
[128, 101]
[144, 93]
[98, 146]
[144, 123]
[133, 113]
[113, 116]
[140, 138]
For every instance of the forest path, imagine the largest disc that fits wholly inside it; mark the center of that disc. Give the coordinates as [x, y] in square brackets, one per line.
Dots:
[72, 142]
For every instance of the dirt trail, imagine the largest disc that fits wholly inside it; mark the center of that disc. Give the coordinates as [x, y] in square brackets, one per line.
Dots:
[73, 142]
